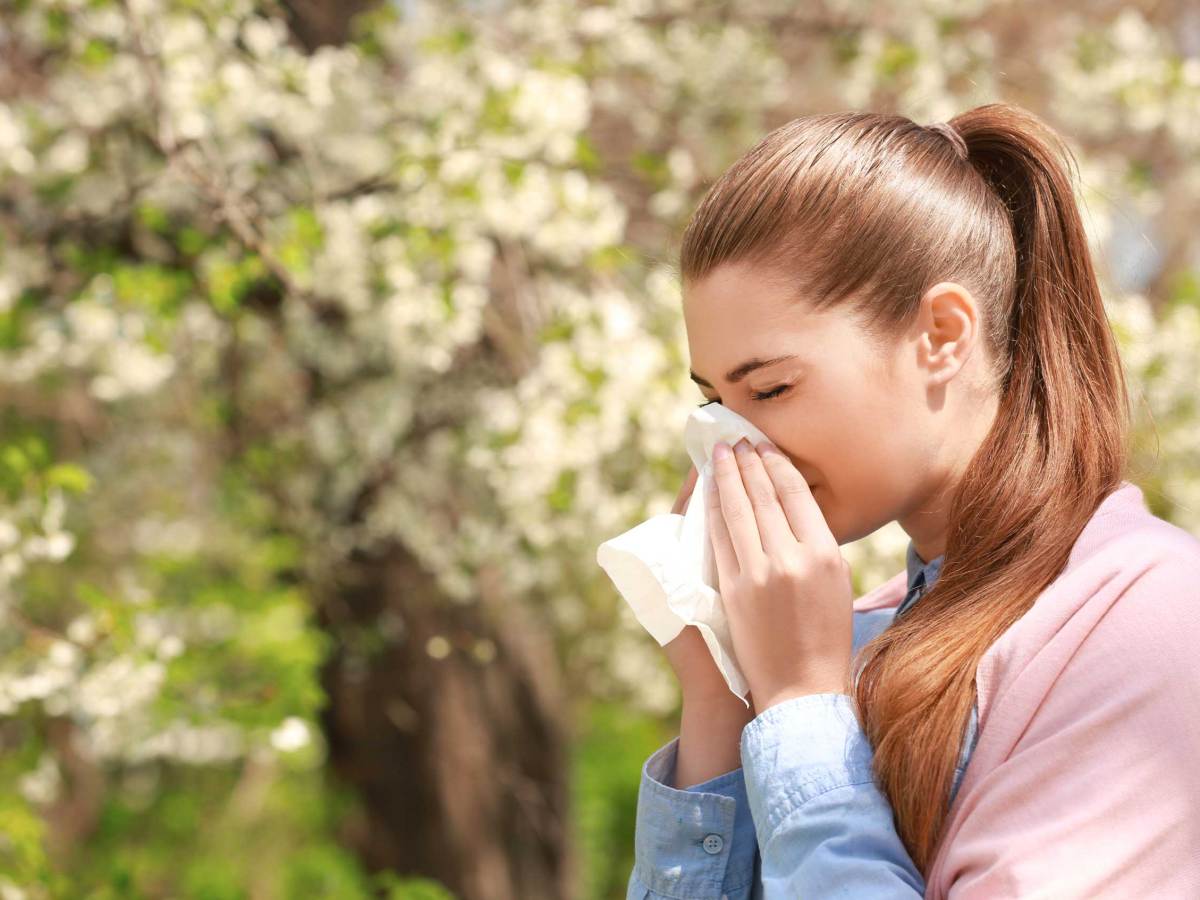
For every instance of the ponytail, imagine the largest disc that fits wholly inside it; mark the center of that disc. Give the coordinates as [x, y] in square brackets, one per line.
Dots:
[1057, 448]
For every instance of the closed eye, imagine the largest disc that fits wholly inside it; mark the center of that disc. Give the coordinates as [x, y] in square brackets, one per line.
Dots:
[772, 393]
[759, 395]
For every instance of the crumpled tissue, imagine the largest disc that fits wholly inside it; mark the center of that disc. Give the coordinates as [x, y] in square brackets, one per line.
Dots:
[665, 568]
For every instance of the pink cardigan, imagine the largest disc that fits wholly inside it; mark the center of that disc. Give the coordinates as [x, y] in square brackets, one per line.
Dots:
[1085, 781]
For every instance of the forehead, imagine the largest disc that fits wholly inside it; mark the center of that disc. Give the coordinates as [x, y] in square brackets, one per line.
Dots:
[737, 311]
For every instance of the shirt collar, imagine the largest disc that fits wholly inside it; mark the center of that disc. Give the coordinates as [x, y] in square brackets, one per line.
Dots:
[916, 566]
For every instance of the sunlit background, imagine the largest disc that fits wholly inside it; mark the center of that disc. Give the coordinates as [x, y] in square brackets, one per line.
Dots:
[334, 338]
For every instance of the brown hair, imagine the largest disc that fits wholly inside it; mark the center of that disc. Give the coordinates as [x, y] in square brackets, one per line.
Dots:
[872, 210]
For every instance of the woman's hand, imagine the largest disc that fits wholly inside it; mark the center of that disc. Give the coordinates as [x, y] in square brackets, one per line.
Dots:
[690, 659]
[786, 589]
[711, 723]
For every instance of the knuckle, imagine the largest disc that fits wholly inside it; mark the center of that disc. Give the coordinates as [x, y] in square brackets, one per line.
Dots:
[790, 571]
[792, 486]
[828, 561]
[759, 577]
[762, 495]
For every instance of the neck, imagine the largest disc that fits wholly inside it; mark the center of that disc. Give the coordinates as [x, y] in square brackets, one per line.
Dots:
[928, 522]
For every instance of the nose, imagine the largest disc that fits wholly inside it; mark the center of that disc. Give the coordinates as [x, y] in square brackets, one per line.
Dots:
[745, 412]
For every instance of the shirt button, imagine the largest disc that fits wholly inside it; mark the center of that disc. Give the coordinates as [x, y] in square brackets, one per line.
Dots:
[713, 843]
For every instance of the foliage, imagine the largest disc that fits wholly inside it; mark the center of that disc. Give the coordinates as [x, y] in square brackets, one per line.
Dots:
[610, 750]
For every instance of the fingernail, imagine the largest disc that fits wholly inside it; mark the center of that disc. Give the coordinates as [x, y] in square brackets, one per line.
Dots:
[742, 446]
[720, 450]
[763, 448]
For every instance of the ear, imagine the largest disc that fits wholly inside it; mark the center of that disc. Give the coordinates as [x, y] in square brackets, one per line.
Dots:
[951, 320]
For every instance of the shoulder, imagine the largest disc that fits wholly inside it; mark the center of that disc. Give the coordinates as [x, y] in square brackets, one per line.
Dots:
[1123, 533]
[1149, 569]
[1119, 640]
[1129, 569]
[1100, 668]
[1156, 579]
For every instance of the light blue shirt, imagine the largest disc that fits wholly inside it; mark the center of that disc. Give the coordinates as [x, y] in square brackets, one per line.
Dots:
[802, 817]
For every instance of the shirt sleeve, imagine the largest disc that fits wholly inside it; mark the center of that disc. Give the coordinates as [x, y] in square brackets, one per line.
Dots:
[700, 842]
[824, 827]
[696, 843]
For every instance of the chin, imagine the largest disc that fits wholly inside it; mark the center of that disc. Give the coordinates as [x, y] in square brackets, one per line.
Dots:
[849, 532]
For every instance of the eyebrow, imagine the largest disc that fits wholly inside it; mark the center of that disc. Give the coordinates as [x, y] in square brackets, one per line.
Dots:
[736, 375]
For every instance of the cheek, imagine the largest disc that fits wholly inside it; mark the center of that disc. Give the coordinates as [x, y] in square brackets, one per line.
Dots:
[850, 456]
[838, 431]
[820, 439]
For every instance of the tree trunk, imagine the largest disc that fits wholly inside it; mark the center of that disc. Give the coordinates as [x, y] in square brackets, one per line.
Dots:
[450, 734]
[319, 22]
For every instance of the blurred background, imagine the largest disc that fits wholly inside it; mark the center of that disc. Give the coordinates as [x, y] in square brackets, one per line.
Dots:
[335, 337]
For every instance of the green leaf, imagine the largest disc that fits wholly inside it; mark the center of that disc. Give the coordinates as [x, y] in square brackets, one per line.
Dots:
[563, 494]
[896, 59]
[70, 478]
[411, 888]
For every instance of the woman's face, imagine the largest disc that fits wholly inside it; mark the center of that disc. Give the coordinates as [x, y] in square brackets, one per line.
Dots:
[867, 430]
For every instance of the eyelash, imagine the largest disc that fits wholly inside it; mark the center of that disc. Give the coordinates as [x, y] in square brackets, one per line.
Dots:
[760, 395]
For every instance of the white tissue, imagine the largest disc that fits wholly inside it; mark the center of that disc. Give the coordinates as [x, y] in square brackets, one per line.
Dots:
[664, 567]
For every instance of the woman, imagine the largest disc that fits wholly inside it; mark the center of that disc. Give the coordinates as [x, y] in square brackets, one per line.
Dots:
[911, 315]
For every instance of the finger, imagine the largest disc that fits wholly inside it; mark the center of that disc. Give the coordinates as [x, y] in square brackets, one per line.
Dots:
[689, 486]
[774, 530]
[685, 492]
[718, 533]
[805, 517]
[736, 509]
